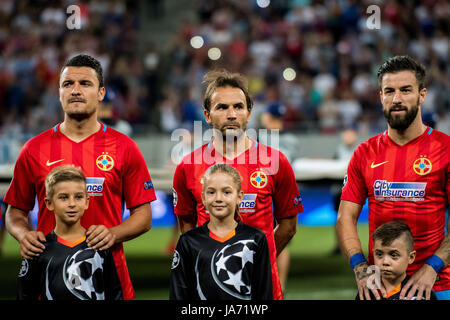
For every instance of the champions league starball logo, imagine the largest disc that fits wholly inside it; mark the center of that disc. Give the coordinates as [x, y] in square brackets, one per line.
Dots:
[83, 274]
[231, 266]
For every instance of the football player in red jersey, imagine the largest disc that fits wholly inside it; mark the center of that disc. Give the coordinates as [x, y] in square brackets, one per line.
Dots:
[113, 164]
[267, 177]
[404, 172]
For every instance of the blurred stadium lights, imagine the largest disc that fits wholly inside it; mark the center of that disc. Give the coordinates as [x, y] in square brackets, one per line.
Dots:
[197, 42]
[289, 74]
[214, 53]
[263, 3]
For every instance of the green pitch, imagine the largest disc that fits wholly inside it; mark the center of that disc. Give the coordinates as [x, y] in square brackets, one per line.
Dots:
[315, 274]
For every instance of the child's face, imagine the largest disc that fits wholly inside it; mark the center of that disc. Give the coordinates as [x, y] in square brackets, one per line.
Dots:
[69, 201]
[220, 195]
[393, 259]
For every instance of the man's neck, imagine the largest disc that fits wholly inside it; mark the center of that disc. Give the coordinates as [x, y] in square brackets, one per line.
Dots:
[403, 137]
[232, 148]
[79, 130]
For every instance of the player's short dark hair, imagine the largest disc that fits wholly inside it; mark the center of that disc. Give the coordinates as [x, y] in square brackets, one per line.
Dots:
[402, 63]
[84, 60]
[62, 174]
[390, 231]
[223, 78]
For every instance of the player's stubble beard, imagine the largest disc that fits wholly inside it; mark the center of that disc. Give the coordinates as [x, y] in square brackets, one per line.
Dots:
[80, 114]
[401, 123]
[229, 139]
[232, 135]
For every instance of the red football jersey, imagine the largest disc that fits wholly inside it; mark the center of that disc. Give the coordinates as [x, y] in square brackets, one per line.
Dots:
[268, 183]
[115, 172]
[409, 183]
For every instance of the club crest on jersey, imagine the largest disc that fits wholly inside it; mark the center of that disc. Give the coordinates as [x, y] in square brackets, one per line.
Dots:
[258, 179]
[105, 162]
[399, 191]
[422, 166]
[94, 186]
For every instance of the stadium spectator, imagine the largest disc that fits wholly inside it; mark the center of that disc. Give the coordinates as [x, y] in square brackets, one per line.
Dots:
[343, 152]
[328, 40]
[107, 115]
[328, 114]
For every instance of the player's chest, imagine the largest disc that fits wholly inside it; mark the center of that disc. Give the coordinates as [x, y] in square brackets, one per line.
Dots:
[54, 258]
[70, 271]
[408, 174]
[257, 182]
[210, 252]
[101, 165]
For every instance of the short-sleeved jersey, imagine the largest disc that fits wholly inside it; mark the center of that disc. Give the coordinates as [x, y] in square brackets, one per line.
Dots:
[69, 271]
[268, 182]
[207, 267]
[409, 183]
[115, 172]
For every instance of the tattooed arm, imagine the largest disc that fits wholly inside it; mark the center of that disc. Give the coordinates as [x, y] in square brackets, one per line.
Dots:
[346, 227]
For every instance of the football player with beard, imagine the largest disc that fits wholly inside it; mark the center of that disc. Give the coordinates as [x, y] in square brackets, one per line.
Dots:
[405, 174]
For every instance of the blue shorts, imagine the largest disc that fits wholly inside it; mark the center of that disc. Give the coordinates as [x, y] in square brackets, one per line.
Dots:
[443, 295]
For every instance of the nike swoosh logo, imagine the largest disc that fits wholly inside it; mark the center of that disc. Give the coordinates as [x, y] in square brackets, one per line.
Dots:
[53, 162]
[378, 164]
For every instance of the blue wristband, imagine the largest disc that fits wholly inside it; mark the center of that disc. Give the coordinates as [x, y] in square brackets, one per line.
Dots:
[435, 262]
[356, 259]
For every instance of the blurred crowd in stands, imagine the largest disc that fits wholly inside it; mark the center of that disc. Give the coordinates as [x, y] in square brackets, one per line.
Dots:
[159, 88]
